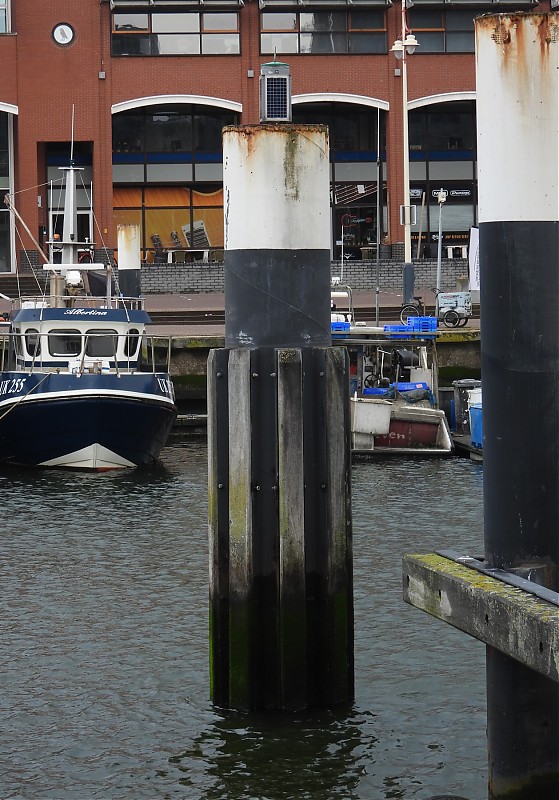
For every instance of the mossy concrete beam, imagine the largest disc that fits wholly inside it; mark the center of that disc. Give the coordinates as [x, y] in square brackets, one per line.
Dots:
[509, 619]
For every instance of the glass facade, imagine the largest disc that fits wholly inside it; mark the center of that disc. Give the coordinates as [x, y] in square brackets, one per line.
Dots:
[354, 173]
[189, 32]
[172, 218]
[167, 173]
[4, 16]
[167, 170]
[442, 142]
[439, 31]
[323, 32]
[58, 155]
[5, 235]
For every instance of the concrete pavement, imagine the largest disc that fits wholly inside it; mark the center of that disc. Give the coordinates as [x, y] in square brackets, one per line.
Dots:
[212, 302]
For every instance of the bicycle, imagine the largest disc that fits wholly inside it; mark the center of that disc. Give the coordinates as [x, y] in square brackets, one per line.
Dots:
[413, 308]
[454, 308]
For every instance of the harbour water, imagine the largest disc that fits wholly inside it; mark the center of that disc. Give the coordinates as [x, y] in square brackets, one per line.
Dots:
[104, 671]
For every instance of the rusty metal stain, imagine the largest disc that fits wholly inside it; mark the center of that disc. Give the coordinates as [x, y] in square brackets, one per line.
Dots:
[525, 53]
[129, 231]
[291, 134]
[251, 130]
[252, 133]
[510, 32]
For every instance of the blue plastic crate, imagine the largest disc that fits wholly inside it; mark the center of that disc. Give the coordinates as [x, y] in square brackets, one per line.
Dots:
[397, 328]
[409, 387]
[398, 331]
[340, 327]
[375, 390]
[423, 324]
[476, 427]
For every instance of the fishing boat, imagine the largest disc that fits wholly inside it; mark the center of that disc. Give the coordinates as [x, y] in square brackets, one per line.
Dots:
[394, 408]
[81, 384]
[393, 390]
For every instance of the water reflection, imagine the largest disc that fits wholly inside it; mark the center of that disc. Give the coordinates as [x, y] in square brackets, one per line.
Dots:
[278, 756]
[104, 667]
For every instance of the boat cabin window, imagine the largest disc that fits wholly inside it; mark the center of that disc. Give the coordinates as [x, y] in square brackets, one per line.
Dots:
[17, 342]
[32, 341]
[65, 342]
[132, 340]
[101, 343]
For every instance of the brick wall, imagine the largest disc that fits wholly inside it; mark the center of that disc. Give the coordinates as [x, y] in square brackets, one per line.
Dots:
[199, 278]
[178, 278]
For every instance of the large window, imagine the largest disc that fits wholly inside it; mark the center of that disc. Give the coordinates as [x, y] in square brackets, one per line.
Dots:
[57, 155]
[179, 144]
[319, 32]
[5, 238]
[4, 16]
[442, 31]
[168, 173]
[353, 129]
[443, 156]
[172, 219]
[355, 174]
[443, 132]
[175, 33]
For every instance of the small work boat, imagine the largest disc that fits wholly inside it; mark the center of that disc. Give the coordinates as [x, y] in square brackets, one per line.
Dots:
[394, 427]
[393, 383]
[81, 385]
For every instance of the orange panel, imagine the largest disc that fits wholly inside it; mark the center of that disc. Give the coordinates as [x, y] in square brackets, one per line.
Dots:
[127, 197]
[207, 199]
[167, 196]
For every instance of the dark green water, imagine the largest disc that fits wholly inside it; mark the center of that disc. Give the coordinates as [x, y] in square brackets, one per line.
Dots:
[103, 623]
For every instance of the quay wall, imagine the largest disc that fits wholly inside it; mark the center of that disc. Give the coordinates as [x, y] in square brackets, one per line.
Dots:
[458, 356]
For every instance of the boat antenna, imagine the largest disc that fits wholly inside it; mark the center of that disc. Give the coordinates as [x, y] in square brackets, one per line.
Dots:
[72, 137]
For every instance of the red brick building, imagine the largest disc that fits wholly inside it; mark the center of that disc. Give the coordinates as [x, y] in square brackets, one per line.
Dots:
[152, 82]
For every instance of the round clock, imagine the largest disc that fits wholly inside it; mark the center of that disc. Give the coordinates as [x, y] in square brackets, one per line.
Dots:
[63, 34]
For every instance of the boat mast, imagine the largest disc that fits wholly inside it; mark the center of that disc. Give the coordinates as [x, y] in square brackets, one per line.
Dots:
[70, 226]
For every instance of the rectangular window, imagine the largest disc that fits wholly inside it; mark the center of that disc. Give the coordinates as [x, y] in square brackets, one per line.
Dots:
[4, 152]
[174, 34]
[65, 342]
[130, 23]
[4, 17]
[172, 218]
[323, 32]
[175, 23]
[442, 31]
[101, 343]
[33, 342]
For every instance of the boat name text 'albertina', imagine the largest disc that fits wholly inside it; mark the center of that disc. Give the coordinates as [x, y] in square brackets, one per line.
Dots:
[85, 312]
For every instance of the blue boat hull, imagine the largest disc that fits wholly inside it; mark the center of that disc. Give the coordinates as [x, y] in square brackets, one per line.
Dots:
[84, 421]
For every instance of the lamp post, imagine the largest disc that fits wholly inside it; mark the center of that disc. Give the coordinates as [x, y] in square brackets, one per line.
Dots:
[401, 48]
[441, 198]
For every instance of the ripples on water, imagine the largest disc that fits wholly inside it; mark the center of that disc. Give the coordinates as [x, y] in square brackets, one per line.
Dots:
[104, 647]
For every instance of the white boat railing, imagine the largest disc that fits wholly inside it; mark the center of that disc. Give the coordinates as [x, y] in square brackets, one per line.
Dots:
[152, 355]
[79, 301]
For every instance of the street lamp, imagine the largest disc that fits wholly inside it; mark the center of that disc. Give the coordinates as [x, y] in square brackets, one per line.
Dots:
[441, 199]
[401, 48]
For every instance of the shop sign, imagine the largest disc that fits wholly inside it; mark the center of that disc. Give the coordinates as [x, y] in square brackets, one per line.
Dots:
[453, 194]
[349, 219]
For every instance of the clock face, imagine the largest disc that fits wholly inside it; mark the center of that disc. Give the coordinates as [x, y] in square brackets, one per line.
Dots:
[63, 34]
